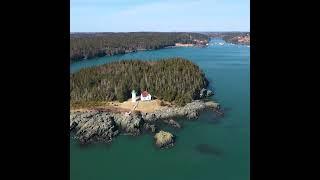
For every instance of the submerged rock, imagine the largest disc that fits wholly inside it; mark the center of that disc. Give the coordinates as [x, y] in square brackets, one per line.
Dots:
[164, 139]
[150, 127]
[213, 105]
[172, 123]
[208, 149]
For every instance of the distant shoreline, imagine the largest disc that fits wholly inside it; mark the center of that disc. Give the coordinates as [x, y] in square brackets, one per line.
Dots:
[87, 46]
[177, 45]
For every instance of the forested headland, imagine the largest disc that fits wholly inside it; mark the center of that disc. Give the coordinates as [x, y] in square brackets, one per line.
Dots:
[175, 80]
[231, 37]
[237, 38]
[90, 45]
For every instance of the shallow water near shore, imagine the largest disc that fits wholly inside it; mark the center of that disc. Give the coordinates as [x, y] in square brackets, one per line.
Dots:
[205, 148]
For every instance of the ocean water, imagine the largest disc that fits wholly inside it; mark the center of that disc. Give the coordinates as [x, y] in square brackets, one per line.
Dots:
[206, 148]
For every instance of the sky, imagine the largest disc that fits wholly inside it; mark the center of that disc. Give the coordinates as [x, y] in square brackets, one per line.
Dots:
[159, 15]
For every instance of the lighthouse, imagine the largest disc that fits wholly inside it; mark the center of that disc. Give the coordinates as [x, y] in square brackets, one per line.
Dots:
[133, 94]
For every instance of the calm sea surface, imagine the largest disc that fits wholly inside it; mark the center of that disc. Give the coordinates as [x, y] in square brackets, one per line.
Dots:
[205, 149]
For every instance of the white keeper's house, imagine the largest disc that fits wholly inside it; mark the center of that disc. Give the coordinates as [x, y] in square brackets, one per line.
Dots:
[145, 96]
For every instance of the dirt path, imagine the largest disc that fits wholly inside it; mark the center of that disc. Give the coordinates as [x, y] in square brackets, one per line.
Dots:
[143, 106]
[127, 106]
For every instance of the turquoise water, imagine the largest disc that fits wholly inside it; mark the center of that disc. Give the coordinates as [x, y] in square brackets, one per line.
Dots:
[225, 152]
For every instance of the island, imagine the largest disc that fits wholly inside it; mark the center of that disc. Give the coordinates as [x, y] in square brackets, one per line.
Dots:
[134, 96]
[91, 45]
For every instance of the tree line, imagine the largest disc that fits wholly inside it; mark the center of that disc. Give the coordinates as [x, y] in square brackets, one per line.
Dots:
[174, 79]
[90, 45]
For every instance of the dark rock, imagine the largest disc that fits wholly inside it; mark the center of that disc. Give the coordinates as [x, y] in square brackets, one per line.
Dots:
[209, 93]
[203, 93]
[73, 124]
[206, 93]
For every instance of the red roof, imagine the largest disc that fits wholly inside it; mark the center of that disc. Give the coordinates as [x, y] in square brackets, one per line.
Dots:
[145, 93]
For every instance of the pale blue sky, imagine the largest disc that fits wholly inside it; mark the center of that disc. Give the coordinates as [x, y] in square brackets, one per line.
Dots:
[159, 15]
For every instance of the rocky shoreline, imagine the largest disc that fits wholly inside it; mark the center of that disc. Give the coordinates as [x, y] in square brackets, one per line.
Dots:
[100, 126]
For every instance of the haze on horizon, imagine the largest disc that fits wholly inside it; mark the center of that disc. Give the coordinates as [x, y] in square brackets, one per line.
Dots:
[159, 15]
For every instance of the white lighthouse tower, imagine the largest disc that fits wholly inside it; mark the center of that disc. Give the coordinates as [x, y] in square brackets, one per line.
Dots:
[133, 94]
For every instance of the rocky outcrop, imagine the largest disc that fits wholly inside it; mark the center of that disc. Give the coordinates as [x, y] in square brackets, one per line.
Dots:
[93, 126]
[129, 124]
[206, 93]
[103, 126]
[190, 110]
[172, 123]
[164, 139]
